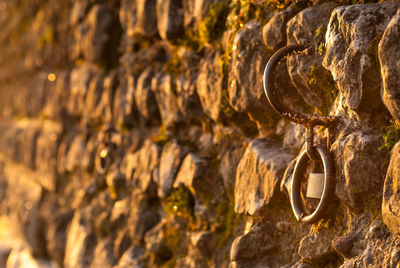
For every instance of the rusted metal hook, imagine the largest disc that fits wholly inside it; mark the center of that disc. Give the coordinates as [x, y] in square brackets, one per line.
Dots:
[309, 121]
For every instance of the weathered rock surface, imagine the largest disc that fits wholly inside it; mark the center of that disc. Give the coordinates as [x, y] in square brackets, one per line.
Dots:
[80, 244]
[391, 201]
[169, 19]
[316, 247]
[144, 97]
[143, 216]
[312, 81]
[141, 167]
[145, 23]
[274, 31]
[245, 84]
[163, 87]
[171, 157]
[352, 36]
[360, 170]
[97, 37]
[258, 175]
[388, 54]
[79, 85]
[124, 106]
[124, 127]
[209, 86]
[188, 99]
[193, 173]
[252, 245]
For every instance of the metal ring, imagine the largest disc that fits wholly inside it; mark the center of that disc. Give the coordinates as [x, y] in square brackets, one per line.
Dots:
[329, 186]
[272, 95]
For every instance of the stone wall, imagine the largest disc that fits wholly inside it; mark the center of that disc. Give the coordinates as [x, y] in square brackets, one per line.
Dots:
[136, 133]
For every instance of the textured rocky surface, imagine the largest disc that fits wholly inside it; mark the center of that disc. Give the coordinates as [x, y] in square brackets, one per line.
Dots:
[137, 133]
[258, 175]
[307, 27]
[352, 37]
[390, 68]
[390, 206]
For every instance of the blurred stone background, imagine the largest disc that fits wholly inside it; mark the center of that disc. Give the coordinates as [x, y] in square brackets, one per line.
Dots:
[136, 133]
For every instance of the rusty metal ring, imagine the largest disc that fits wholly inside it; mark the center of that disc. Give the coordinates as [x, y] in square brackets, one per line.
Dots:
[329, 186]
[272, 94]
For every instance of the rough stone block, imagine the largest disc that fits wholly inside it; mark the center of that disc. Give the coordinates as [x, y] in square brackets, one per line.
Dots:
[352, 37]
[258, 175]
[313, 82]
[171, 157]
[389, 55]
[391, 193]
[209, 86]
[169, 19]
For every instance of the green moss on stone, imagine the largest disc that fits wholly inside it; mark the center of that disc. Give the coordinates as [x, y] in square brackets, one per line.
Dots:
[391, 136]
[180, 202]
[213, 25]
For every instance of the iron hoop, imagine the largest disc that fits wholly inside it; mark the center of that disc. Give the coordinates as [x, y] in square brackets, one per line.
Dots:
[329, 186]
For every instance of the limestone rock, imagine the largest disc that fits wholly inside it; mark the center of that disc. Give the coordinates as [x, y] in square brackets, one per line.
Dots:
[351, 40]
[4, 254]
[143, 217]
[73, 155]
[140, 166]
[80, 244]
[245, 87]
[274, 31]
[21, 257]
[132, 258]
[389, 53]
[192, 174]
[228, 166]
[196, 10]
[209, 86]
[156, 242]
[116, 182]
[46, 154]
[97, 37]
[92, 100]
[163, 87]
[361, 171]
[79, 81]
[146, 19]
[120, 213]
[316, 247]
[169, 19]
[103, 255]
[258, 175]
[344, 244]
[144, 97]
[121, 244]
[26, 146]
[124, 107]
[128, 17]
[258, 241]
[78, 12]
[56, 236]
[391, 197]
[294, 137]
[204, 241]
[188, 99]
[56, 107]
[312, 81]
[171, 157]
[105, 107]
